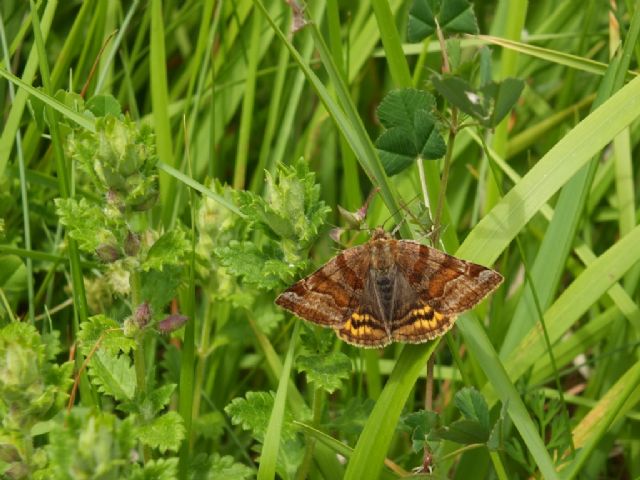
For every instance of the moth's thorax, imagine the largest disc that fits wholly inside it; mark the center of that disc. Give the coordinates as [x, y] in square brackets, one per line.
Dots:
[382, 253]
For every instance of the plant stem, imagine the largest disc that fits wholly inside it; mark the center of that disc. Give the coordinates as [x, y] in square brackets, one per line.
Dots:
[453, 131]
[138, 353]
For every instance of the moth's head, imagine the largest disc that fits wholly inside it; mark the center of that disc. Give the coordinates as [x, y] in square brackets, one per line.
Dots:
[380, 234]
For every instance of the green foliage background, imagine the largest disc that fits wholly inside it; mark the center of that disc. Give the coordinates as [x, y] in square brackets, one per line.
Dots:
[163, 162]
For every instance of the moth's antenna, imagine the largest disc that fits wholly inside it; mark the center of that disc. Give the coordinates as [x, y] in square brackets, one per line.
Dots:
[397, 227]
[403, 206]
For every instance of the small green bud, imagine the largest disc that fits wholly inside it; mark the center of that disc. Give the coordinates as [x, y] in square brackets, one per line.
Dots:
[130, 328]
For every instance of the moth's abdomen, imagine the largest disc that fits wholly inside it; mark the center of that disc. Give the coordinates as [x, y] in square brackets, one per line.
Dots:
[384, 286]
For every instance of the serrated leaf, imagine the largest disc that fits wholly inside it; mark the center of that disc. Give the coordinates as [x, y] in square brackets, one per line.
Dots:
[148, 406]
[421, 424]
[120, 157]
[316, 340]
[210, 425]
[21, 359]
[226, 467]
[246, 260]
[400, 147]
[165, 432]
[352, 417]
[398, 107]
[108, 332]
[266, 316]
[396, 150]
[113, 374]
[428, 141]
[170, 249]
[253, 412]
[292, 207]
[160, 397]
[496, 437]
[159, 469]
[158, 288]
[87, 223]
[325, 370]
[412, 131]
[473, 406]
[85, 442]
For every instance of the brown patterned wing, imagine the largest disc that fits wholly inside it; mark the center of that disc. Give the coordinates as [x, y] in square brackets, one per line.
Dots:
[330, 295]
[446, 284]
[363, 329]
[413, 319]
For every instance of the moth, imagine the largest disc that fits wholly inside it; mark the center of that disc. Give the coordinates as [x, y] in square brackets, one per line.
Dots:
[389, 290]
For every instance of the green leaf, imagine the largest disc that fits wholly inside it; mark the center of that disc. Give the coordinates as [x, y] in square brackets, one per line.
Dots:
[266, 316]
[170, 249]
[13, 279]
[108, 332]
[316, 340]
[489, 104]
[253, 412]
[255, 266]
[497, 435]
[454, 16]
[459, 93]
[421, 424]
[421, 20]
[103, 105]
[158, 469]
[226, 467]
[87, 441]
[326, 370]
[150, 405]
[165, 432]
[473, 406]
[113, 374]
[158, 288]
[31, 384]
[292, 207]
[160, 397]
[87, 224]
[503, 96]
[373, 443]
[457, 16]
[398, 107]
[463, 431]
[120, 157]
[352, 417]
[210, 425]
[413, 132]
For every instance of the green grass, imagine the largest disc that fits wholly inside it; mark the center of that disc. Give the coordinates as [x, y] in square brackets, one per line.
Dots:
[287, 121]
